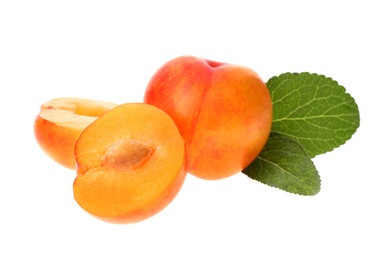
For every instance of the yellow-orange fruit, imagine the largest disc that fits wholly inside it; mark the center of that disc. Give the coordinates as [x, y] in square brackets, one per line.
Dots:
[60, 122]
[223, 111]
[131, 164]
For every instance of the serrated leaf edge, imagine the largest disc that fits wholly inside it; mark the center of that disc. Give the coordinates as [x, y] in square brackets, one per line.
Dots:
[290, 192]
[345, 92]
[272, 134]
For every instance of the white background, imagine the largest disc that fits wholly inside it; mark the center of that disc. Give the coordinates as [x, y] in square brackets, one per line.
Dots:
[108, 50]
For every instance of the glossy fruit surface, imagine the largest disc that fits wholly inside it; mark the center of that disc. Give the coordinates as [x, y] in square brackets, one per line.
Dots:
[223, 111]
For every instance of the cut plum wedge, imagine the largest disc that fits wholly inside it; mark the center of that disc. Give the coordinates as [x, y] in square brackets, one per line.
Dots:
[131, 164]
[60, 122]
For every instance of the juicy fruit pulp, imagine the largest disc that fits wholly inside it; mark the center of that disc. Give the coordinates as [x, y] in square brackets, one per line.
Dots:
[223, 111]
[131, 164]
[60, 122]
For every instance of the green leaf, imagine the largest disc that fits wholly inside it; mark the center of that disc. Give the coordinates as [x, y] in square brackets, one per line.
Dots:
[313, 109]
[284, 164]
